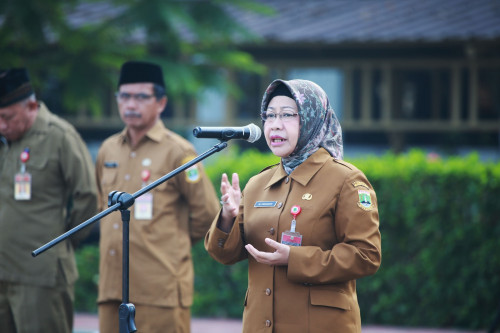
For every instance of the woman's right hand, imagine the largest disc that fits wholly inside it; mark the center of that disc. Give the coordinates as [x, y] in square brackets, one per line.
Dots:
[230, 199]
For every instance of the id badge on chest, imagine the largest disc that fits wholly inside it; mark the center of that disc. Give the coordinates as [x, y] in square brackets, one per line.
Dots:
[143, 206]
[291, 237]
[22, 180]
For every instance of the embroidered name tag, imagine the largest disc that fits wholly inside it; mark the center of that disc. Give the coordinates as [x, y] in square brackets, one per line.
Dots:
[265, 204]
[111, 164]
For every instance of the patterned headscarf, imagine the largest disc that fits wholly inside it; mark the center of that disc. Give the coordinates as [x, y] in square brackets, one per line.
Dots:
[319, 126]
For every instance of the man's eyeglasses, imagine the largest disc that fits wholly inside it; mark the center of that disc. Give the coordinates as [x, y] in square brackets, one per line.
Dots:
[125, 97]
[284, 116]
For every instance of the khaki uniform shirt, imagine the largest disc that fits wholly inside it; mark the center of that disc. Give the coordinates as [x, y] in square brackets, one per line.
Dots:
[339, 224]
[161, 269]
[62, 176]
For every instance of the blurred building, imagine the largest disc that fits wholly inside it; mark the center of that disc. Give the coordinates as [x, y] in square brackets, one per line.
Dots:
[398, 73]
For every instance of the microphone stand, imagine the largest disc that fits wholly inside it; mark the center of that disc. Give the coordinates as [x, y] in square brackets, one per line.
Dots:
[122, 201]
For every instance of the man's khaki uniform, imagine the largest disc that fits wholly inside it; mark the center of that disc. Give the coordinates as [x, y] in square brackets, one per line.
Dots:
[63, 195]
[161, 269]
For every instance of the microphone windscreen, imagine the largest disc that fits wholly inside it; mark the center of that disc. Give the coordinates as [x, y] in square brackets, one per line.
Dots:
[255, 133]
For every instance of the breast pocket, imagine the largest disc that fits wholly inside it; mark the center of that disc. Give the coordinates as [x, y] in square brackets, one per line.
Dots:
[163, 187]
[42, 172]
[108, 179]
[37, 162]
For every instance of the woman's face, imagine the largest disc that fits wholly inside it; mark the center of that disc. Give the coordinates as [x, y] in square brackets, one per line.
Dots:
[282, 133]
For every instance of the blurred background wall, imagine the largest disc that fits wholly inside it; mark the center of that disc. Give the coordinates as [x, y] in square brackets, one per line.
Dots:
[398, 73]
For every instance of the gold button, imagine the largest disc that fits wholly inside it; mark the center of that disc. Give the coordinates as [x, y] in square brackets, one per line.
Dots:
[268, 291]
[268, 323]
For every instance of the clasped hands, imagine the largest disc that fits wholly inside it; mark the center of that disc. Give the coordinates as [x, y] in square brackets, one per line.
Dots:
[230, 200]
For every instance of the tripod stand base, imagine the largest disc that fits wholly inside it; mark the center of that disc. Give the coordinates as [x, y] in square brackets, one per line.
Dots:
[127, 316]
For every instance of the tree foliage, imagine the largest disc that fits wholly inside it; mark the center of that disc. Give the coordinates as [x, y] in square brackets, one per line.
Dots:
[74, 49]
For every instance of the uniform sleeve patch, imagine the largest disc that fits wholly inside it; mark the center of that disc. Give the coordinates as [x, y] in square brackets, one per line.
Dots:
[365, 200]
[192, 173]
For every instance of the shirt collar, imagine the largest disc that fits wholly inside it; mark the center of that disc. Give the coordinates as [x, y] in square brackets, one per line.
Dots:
[41, 123]
[155, 133]
[305, 171]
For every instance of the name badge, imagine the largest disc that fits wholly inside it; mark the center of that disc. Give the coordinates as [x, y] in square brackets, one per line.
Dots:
[22, 180]
[143, 207]
[265, 204]
[111, 164]
[22, 186]
[291, 237]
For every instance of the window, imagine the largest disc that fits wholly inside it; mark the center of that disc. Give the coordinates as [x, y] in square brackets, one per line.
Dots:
[488, 94]
[330, 79]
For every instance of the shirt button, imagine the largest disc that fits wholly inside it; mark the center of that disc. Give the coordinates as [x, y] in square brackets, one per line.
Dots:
[116, 225]
[268, 323]
[132, 154]
[287, 180]
[271, 231]
[127, 177]
[268, 291]
[280, 205]
[112, 252]
[221, 242]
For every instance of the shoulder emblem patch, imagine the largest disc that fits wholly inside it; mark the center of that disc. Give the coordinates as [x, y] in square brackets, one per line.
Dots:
[192, 173]
[365, 200]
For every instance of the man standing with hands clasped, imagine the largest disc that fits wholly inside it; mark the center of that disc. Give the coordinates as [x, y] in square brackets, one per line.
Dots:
[46, 188]
[165, 222]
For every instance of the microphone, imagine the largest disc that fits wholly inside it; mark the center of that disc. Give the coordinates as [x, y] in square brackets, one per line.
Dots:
[250, 132]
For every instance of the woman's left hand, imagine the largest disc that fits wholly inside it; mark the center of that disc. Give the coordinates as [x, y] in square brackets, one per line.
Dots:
[278, 257]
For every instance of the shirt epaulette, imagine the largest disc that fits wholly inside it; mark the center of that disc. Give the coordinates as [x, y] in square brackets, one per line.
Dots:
[344, 163]
[58, 123]
[269, 167]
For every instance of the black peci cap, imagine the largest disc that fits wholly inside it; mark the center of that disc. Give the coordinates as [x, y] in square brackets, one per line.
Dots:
[15, 86]
[141, 72]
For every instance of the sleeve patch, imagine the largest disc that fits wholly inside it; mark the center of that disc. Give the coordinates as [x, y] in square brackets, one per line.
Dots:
[365, 200]
[192, 173]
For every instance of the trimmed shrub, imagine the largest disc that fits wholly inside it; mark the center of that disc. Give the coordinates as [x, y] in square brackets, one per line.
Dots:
[440, 230]
[87, 262]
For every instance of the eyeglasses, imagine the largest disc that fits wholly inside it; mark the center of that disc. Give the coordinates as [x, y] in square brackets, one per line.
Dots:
[125, 97]
[284, 116]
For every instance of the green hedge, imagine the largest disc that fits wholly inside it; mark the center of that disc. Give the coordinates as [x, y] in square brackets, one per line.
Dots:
[440, 241]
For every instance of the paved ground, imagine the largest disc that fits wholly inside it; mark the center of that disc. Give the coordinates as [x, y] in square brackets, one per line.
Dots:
[85, 323]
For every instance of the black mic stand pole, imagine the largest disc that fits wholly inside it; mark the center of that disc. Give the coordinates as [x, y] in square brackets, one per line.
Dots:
[122, 201]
